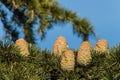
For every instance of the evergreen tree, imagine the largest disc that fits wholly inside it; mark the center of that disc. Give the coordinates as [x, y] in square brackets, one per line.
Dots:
[49, 12]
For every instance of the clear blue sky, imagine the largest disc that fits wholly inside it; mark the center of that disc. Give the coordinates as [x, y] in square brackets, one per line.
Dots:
[103, 14]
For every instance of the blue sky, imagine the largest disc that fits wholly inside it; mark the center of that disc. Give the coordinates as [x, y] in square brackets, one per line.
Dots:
[103, 14]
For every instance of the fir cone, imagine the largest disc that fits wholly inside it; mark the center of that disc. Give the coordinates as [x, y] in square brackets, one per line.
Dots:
[84, 53]
[22, 45]
[101, 45]
[68, 60]
[60, 46]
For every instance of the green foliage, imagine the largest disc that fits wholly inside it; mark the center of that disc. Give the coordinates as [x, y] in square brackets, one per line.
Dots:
[50, 12]
[42, 65]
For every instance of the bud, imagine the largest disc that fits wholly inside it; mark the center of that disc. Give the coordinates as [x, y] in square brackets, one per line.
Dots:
[68, 60]
[101, 45]
[22, 45]
[84, 53]
[60, 46]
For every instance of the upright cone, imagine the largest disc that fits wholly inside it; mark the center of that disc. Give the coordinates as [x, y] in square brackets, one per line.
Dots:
[60, 46]
[22, 45]
[84, 53]
[68, 60]
[101, 45]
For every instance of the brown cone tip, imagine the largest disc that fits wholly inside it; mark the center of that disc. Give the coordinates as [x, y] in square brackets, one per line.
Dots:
[85, 45]
[60, 46]
[23, 46]
[101, 45]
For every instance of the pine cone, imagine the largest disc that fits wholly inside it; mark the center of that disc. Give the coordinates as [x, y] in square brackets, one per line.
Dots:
[22, 45]
[60, 46]
[68, 60]
[84, 53]
[101, 45]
